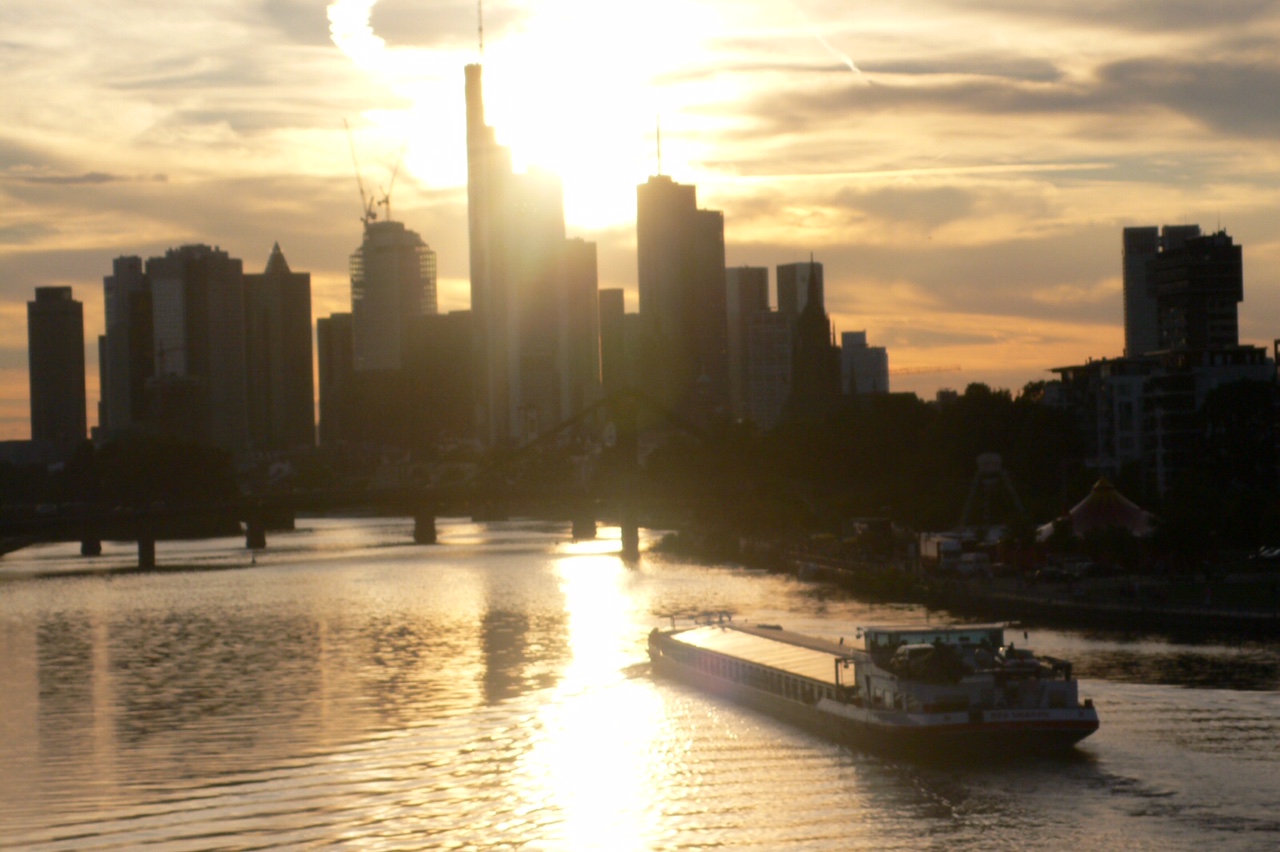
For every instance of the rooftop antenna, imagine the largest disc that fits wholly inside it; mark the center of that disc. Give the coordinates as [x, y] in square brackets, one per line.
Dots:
[367, 201]
[480, 21]
[658, 122]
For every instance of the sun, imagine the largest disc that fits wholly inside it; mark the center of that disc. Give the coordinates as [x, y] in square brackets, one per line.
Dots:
[580, 91]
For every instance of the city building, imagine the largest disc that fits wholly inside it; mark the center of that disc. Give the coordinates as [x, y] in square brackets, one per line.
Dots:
[126, 360]
[55, 352]
[335, 352]
[529, 291]
[1198, 286]
[768, 350]
[815, 360]
[199, 388]
[1141, 247]
[393, 280]
[746, 294]
[582, 327]
[614, 371]
[796, 281]
[281, 389]
[863, 369]
[1182, 291]
[683, 316]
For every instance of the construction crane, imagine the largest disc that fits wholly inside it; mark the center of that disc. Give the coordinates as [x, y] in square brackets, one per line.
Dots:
[385, 200]
[367, 202]
[917, 371]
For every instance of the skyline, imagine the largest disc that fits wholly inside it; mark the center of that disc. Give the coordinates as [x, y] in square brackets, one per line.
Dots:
[964, 175]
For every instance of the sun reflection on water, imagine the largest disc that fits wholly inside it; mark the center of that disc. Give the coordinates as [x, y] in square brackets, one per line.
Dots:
[591, 760]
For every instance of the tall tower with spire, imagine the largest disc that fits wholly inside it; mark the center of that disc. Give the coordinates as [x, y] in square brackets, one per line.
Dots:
[521, 292]
[281, 390]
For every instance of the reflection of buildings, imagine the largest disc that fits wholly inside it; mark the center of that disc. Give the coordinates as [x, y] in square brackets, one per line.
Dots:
[55, 351]
[1181, 342]
[532, 293]
[680, 255]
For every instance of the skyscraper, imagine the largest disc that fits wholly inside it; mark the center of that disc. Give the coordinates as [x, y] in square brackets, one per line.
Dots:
[582, 327]
[521, 288]
[683, 314]
[335, 353]
[815, 361]
[864, 369]
[746, 294]
[55, 352]
[128, 358]
[199, 387]
[1141, 315]
[795, 282]
[393, 279]
[1198, 285]
[278, 340]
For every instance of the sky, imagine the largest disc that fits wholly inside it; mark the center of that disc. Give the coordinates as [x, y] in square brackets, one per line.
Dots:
[963, 170]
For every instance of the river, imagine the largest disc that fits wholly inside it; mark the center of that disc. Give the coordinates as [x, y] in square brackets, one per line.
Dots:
[347, 689]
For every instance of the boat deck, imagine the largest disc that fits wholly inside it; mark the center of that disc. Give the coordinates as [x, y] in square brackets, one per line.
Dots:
[804, 656]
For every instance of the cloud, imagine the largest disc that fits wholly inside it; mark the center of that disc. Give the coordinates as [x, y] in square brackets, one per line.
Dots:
[1165, 16]
[928, 207]
[25, 233]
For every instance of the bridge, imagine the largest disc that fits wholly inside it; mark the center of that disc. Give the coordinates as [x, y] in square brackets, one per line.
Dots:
[491, 493]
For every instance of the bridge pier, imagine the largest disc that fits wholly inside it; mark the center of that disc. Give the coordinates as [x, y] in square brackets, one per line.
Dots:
[146, 552]
[630, 539]
[424, 526]
[91, 546]
[584, 526]
[255, 535]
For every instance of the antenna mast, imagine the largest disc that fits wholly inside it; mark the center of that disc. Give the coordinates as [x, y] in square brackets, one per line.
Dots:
[480, 21]
[658, 121]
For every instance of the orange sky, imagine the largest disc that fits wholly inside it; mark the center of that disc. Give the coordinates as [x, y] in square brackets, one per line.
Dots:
[962, 170]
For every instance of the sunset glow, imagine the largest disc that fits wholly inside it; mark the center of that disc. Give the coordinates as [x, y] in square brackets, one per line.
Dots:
[963, 171]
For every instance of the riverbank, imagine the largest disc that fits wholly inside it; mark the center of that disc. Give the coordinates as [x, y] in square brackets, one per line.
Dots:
[1248, 605]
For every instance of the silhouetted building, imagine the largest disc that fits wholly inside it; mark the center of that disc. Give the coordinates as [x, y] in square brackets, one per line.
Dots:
[863, 369]
[1142, 246]
[582, 327]
[436, 384]
[746, 294]
[613, 345]
[127, 351]
[1197, 286]
[55, 353]
[393, 280]
[200, 386]
[278, 340]
[335, 352]
[522, 295]
[680, 254]
[770, 344]
[815, 360]
[796, 281]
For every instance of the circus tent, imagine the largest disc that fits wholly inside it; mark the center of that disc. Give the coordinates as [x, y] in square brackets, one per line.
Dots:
[1104, 508]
